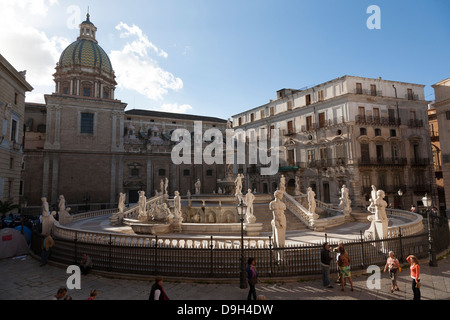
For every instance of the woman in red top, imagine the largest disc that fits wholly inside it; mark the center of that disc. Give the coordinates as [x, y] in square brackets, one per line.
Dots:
[415, 275]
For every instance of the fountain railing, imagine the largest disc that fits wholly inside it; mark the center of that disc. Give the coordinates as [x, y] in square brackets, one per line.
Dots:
[133, 212]
[298, 210]
[409, 228]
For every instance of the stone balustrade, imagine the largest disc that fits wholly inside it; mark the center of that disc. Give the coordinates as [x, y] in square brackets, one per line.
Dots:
[407, 229]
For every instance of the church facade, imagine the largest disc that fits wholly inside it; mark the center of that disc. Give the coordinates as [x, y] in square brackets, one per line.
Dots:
[83, 144]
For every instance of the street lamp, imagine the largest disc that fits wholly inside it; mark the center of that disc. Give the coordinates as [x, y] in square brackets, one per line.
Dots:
[241, 210]
[432, 254]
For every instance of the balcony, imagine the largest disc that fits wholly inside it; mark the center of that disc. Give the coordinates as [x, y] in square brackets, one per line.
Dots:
[364, 161]
[330, 123]
[325, 163]
[434, 135]
[371, 120]
[288, 132]
[420, 162]
[415, 123]
[421, 188]
[368, 92]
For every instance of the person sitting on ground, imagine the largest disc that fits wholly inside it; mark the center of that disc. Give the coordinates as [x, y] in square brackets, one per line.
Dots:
[85, 264]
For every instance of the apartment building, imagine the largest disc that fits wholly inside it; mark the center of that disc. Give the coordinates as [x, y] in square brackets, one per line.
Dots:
[13, 87]
[351, 130]
[442, 108]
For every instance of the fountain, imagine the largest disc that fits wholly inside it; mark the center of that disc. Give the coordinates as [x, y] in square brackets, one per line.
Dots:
[197, 214]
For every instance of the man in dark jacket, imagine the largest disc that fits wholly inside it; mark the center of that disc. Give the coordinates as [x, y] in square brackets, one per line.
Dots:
[157, 292]
[325, 262]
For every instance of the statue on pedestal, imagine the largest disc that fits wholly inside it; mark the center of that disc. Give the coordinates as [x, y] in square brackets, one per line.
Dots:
[345, 203]
[373, 197]
[238, 184]
[249, 198]
[311, 200]
[380, 206]
[166, 185]
[283, 183]
[142, 210]
[279, 219]
[177, 205]
[198, 186]
[161, 186]
[297, 186]
[63, 212]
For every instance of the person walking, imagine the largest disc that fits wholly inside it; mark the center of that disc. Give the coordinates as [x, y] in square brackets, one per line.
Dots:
[393, 266]
[93, 294]
[415, 275]
[336, 250]
[344, 267]
[252, 278]
[157, 292]
[47, 244]
[325, 262]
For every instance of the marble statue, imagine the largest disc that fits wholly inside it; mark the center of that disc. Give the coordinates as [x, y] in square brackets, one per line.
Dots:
[283, 183]
[238, 184]
[211, 217]
[45, 208]
[311, 200]
[345, 203]
[373, 197]
[63, 212]
[61, 204]
[48, 219]
[142, 203]
[380, 206]
[161, 186]
[166, 185]
[279, 219]
[198, 186]
[229, 124]
[188, 195]
[249, 198]
[297, 186]
[177, 205]
[121, 206]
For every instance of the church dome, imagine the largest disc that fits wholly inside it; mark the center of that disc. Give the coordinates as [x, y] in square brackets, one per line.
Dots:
[84, 69]
[85, 53]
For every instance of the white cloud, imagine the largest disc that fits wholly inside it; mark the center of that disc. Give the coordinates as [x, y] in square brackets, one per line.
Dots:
[174, 107]
[28, 48]
[137, 70]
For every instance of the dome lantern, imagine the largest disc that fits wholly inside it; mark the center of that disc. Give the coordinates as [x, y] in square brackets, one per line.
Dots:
[87, 30]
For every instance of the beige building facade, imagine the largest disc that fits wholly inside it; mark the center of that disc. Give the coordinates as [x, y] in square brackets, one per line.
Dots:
[442, 107]
[13, 87]
[351, 130]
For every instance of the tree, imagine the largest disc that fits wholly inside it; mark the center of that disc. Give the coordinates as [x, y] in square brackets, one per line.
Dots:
[7, 206]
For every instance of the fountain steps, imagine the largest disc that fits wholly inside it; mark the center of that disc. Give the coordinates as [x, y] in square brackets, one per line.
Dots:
[264, 215]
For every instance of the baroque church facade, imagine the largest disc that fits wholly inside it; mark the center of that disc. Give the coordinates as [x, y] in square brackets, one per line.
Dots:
[83, 144]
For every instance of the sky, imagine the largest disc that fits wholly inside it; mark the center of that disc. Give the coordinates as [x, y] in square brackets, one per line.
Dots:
[219, 58]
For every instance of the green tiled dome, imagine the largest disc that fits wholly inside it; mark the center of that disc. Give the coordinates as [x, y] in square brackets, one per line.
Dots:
[85, 53]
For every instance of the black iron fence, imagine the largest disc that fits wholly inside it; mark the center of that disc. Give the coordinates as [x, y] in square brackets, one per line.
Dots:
[209, 261]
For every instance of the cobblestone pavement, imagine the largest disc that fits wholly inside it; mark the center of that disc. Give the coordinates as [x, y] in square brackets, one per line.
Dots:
[22, 278]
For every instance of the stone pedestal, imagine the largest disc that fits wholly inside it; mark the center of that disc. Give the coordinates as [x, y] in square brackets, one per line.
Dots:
[253, 229]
